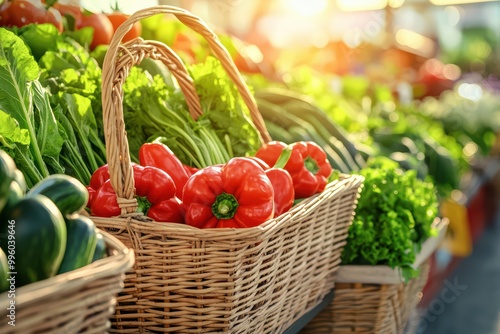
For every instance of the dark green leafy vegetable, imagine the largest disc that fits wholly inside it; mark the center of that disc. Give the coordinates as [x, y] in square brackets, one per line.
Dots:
[393, 217]
[24, 103]
[47, 109]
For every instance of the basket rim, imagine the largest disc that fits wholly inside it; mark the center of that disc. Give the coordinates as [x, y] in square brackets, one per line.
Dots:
[345, 183]
[120, 261]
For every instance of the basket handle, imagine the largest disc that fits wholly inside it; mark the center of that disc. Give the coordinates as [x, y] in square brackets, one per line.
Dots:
[117, 62]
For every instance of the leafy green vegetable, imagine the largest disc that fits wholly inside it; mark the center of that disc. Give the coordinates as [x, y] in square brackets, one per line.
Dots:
[393, 217]
[474, 123]
[223, 107]
[39, 38]
[152, 109]
[25, 101]
[148, 116]
[11, 132]
[74, 79]
[49, 132]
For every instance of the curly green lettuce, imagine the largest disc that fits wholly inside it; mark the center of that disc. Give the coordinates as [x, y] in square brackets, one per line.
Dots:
[393, 218]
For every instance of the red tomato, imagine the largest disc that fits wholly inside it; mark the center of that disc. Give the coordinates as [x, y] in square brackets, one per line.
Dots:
[183, 42]
[103, 29]
[23, 12]
[73, 11]
[118, 18]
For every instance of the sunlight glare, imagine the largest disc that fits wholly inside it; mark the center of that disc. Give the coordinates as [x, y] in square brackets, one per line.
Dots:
[306, 8]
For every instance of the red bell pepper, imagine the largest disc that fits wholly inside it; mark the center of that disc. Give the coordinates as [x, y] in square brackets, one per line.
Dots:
[160, 156]
[104, 203]
[308, 165]
[282, 182]
[190, 170]
[155, 192]
[170, 210]
[237, 194]
[100, 176]
[284, 194]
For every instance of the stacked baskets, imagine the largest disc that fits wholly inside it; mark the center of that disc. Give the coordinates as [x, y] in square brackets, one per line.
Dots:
[188, 280]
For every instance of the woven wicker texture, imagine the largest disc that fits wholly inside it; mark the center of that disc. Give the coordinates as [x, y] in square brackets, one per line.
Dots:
[80, 301]
[189, 280]
[256, 280]
[370, 308]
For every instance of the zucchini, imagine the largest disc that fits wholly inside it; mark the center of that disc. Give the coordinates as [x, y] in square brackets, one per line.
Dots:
[67, 193]
[40, 238]
[80, 245]
[100, 248]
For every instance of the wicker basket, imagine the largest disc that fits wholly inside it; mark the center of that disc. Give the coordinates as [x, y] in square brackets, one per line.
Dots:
[374, 299]
[80, 301]
[189, 280]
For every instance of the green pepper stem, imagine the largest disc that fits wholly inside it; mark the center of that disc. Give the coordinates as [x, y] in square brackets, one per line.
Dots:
[143, 205]
[284, 157]
[311, 165]
[225, 206]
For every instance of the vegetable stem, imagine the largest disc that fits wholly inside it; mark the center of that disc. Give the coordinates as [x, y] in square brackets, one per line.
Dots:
[34, 148]
[283, 158]
[225, 206]
[32, 173]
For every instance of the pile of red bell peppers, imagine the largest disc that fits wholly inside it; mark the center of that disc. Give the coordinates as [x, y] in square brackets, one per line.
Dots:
[244, 192]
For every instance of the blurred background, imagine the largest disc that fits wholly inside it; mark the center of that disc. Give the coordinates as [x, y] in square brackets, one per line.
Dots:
[387, 71]
[431, 41]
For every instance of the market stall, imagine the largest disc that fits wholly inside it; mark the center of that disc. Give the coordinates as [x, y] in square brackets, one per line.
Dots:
[242, 167]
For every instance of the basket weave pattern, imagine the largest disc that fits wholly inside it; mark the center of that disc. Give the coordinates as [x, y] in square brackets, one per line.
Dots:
[370, 308]
[256, 280]
[189, 280]
[80, 301]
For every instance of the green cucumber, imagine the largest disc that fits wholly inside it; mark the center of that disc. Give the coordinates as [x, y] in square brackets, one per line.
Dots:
[80, 245]
[67, 193]
[100, 248]
[40, 234]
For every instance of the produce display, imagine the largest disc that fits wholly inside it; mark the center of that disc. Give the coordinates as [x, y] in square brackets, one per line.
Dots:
[351, 130]
[46, 223]
[213, 171]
